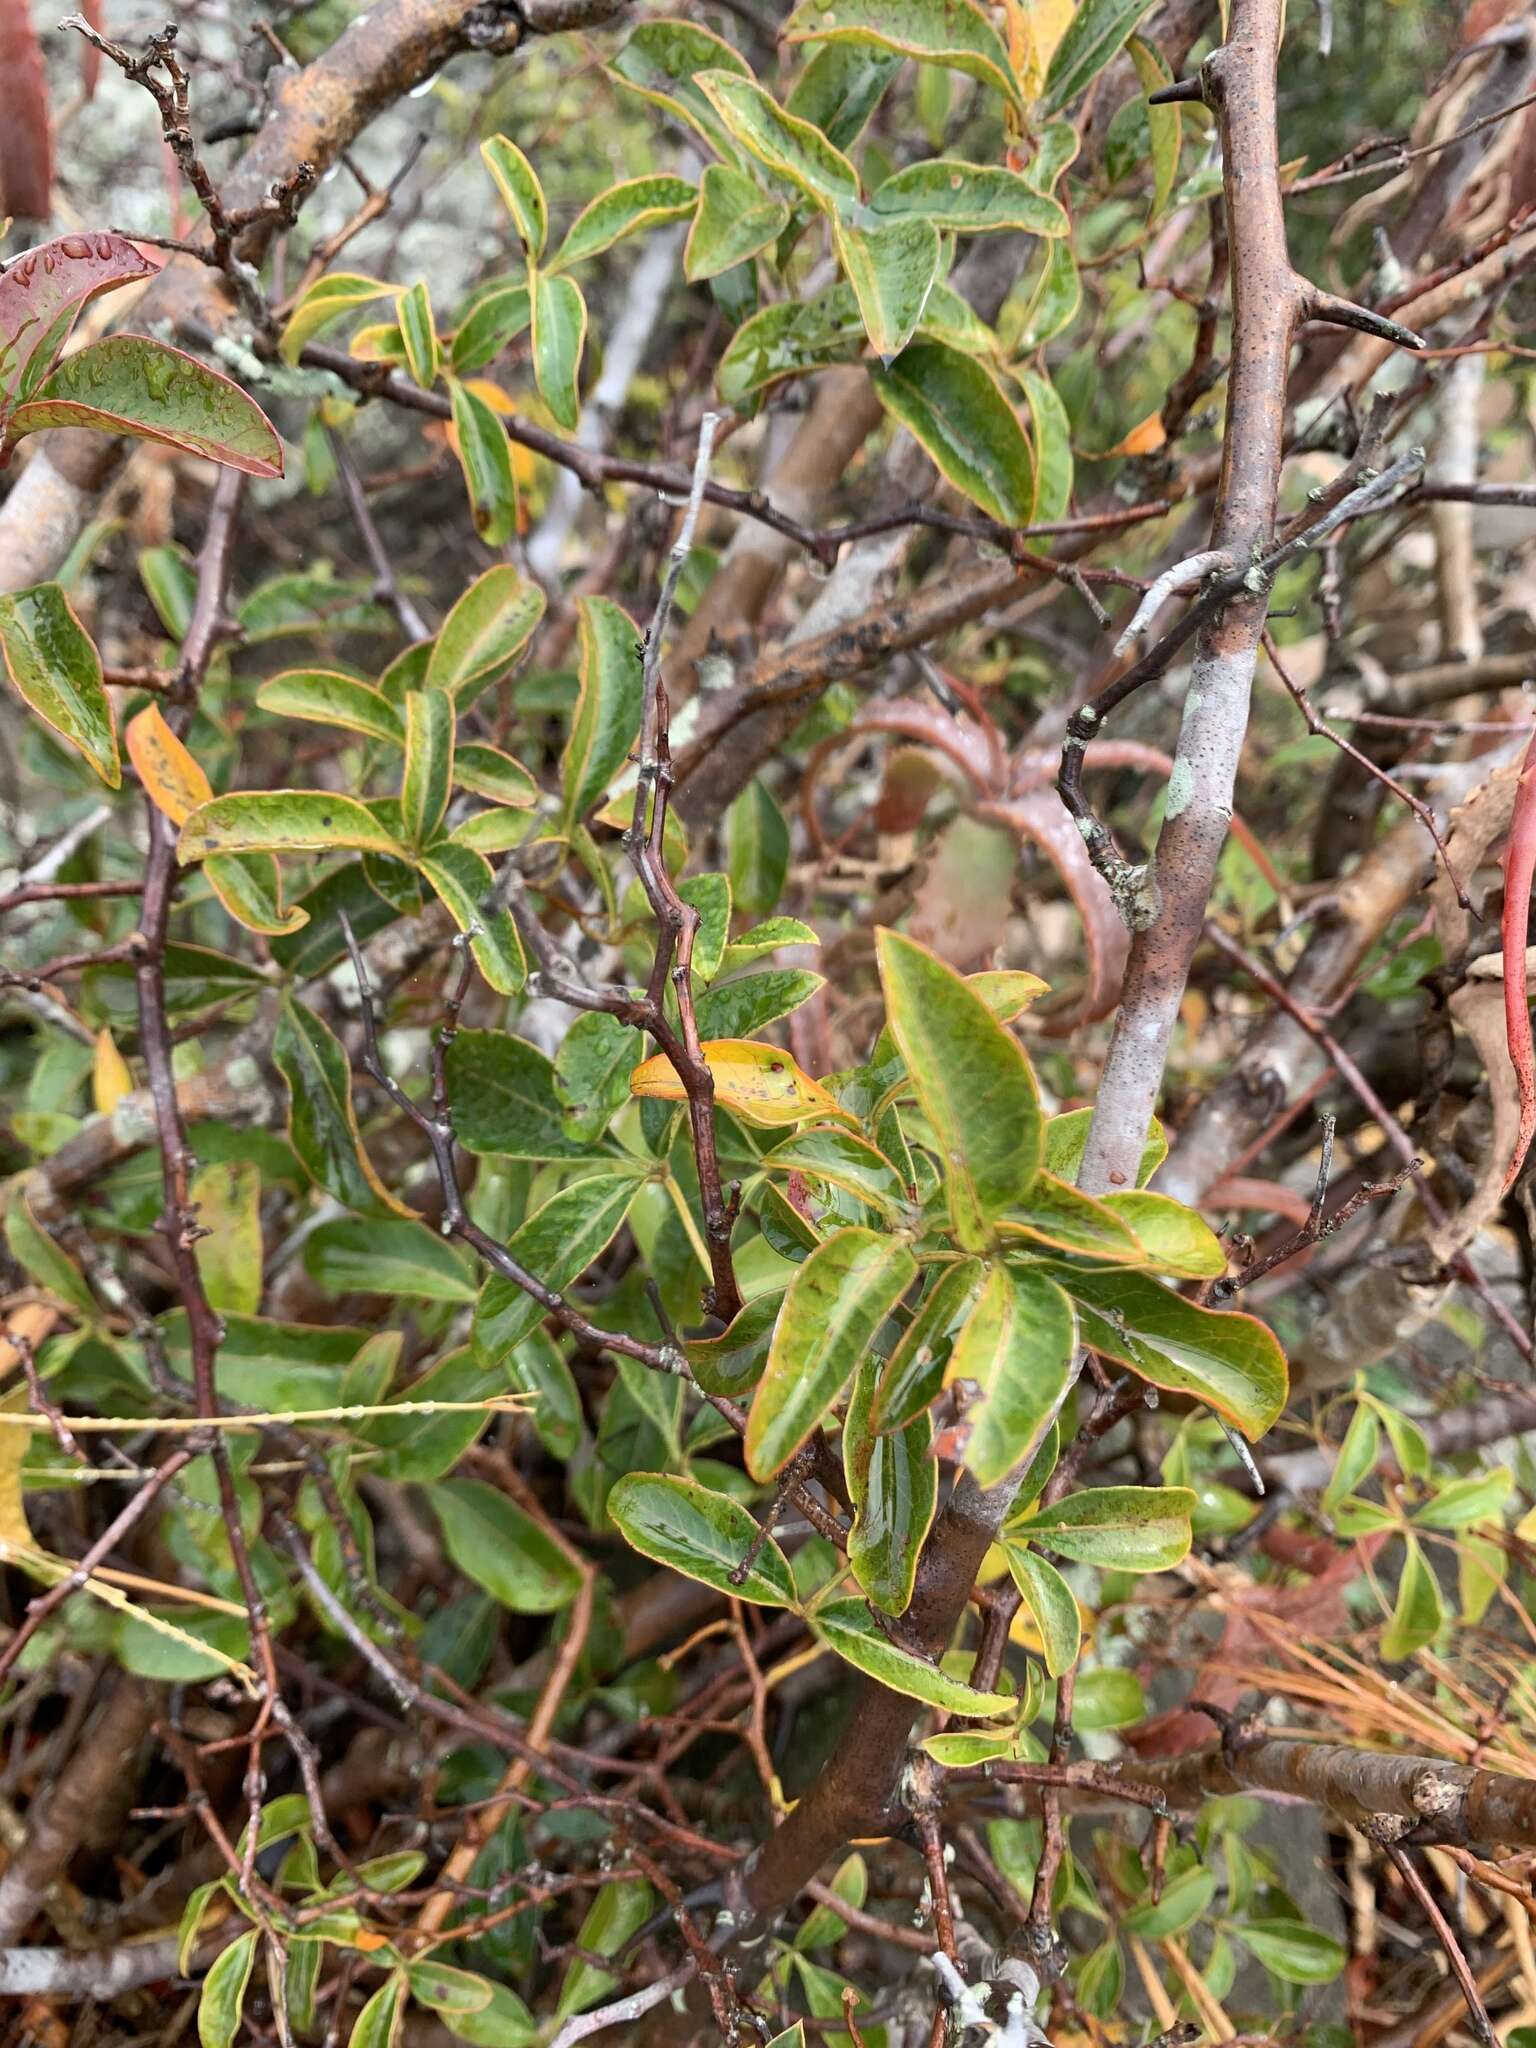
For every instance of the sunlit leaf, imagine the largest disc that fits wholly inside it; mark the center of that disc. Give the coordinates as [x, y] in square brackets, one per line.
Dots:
[328, 299]
[787, 145]
[283, 821]
[847, 1627]
[1121, 1528]
[518, 183]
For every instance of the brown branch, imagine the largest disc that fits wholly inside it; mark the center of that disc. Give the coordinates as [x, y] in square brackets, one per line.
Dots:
[1433, 1801]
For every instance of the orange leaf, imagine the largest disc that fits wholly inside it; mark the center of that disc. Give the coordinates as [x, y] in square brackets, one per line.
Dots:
[758, 1083]
[172, 779]
[1144, 439]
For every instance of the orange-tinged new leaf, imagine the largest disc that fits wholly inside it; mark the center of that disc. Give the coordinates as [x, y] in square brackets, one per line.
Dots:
[172, 779]
[758, 1083]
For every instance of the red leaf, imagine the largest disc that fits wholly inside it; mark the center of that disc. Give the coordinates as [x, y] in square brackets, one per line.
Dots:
[1519, 866]
[26, 146]
[42, 293]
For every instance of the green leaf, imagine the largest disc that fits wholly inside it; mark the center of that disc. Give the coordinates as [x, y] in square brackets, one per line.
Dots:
[1417, 1616]
[835, 1305]
[169, 576]
[789, 340]
[518, 183]
[736, 219]
[488, 772]
[829, 1153]
[484, 634]
[386, 1255]
[662, 61]
[1056, 1213]
[328, 299]
[592, 1069]
[463, 882]
[226, 1198]
[954, 33]
[283, 821]
[1461, 1503]
[848, 1628]
[973, 1080]
[446, 1989]
[559, 336]
[1185, 1899]
[615, 1916]
[42, 293]
[606, 721]
[710, 896]
[1296, 1953]
[1121, 1528]
[1016, 1347]
[1100, 1981]
[1057, 297]
[322, 1124]
[494, 1543]
[54, 667]
[1174, 1238]
[793, 148]
[1357, 1456]
[192, 1916]
[704, 1535]
[223, 1995]
[735, 1009]
[892, 270]
[767, 937]
[378, 2024]
[733, 1362]
[127, 384]
[756, 850]
[894, 1483]
[1228, 1360]
[485, 457]
[823, 1925]
[624, 210]
[966, 198]
[956, 409]
[1164, 124]
[557, 1244]
[419, 333]
[428, 777]
[1052, 1607]
[493, 316]
[1052, 438]
[841, 87]
[43, 1261]
[1092, 37]
[916, 1368]
[503, 2022]
[502, 1093]
[326, 698]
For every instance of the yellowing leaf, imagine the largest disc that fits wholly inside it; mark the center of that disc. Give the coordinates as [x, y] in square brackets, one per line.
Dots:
[1035, 27]
[756, 1082]
[1143, 439]
[110, 1078]
[14, 1534]
[172, 780]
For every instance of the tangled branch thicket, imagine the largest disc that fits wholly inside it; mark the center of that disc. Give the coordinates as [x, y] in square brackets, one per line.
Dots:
[767, 852]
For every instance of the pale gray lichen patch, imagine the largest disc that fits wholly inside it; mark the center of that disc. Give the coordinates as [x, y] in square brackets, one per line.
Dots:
[1181, 788]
